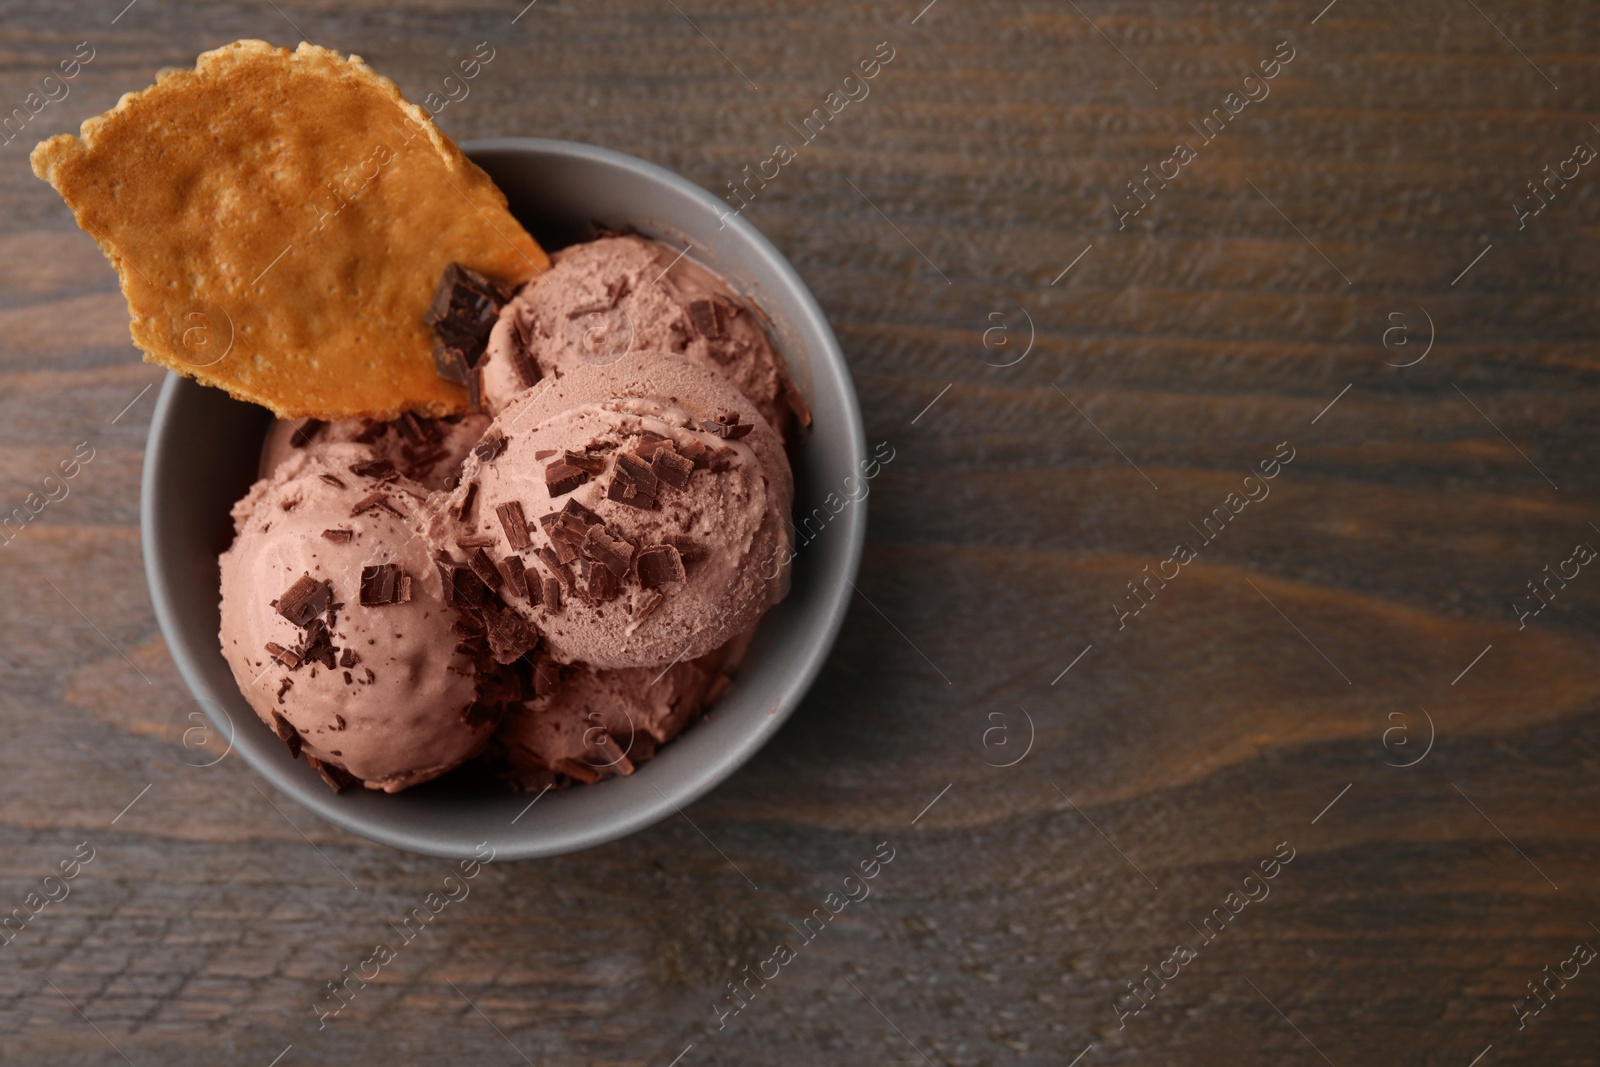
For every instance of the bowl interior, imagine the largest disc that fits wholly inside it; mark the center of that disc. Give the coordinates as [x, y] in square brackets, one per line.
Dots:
[202, 457]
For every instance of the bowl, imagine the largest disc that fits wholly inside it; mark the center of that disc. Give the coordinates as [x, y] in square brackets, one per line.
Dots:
[202, 454]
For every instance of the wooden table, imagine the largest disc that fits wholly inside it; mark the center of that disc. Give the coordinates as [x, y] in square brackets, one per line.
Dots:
[1338, 674]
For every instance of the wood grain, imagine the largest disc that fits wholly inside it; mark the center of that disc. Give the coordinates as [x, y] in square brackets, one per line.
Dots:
[1177, 753]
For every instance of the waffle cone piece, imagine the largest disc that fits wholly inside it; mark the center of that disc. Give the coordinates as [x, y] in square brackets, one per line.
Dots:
[279, 221]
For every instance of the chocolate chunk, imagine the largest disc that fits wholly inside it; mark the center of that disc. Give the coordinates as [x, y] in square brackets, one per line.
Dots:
[475, 389]
[632, 482]
[492, 445]
[706, 317]
[340, 537]
[286, 731]
[337, 777]
[649, 442]
[614, 552]
[568, 528]
[471, 541]
[515, 524]
[515, 575]
[551, 594]
[378, 501]
[483, 566]
[370, 676]
[723, 459]
[557, 566]
[384, 583]
[561, 477]
[464, 308]
[380, 469]
[464, 510]
[658, 565]
[696, 453]
[287, 685]
[348, 659]
[668, 466]
[305, 600]
[332, 479]
[533, 584]
[307, 430]
[602, 584]
[544, 453]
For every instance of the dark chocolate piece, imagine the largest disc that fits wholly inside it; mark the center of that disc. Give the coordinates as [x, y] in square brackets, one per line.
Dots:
[706, 317]
[633, 482]
[688, 550]
[464, 308]
[509, 636]
[514, 523]
[602, 584]
[490, 447]
[468, 498]
[668, 466]
[696, 453]
[307, 430]
[585, 462]
[650, 603]
[561, 477]
[347, 658]
[522, 362]
[332, 479]
[544, 453]
[483, 566]
[337, 777]
[515, 575]
[471, 541]
[551, 596]
[287, 657]
[340, 537]
[380, 469]
[658, 565]
[374, 502]
[305, 600]
[450, 362]
[614, 552]
[384, 583]
[287, 733]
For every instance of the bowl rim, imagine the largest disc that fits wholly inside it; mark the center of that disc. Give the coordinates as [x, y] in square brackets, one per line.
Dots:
[800, 668]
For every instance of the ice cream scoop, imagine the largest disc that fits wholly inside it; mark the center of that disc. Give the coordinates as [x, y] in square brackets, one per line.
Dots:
[614, 296]
[428, 451]
[336, 627]
[587, 724]
[634, 513]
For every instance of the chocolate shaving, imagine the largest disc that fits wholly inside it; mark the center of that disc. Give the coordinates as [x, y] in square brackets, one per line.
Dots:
[490, 447]
[475, 389]
[515, 524]
[585, 462]
[515, 575]
[688, 550]
[650, 603]
[287, 657]
[658, 565]
[286, 732]
[522, 362]
[384, 583]
[337, 777]
[706, 317]
[483, 566]
[561, 477]
[340, 537]
[470, 541]
[544, 453]
[374, 502]
[379, 469]
[728, 426]
[614, 552]
[288, 684]
[305, 600]
[551, 596]
[670, 467]
[464, 509]
[332, 479]
[649, 442]
[633, 482]
[307, 430]
[602, 584]
[696, 453]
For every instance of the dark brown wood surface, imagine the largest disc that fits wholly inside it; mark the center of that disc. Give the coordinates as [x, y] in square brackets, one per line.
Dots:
[1362, 612]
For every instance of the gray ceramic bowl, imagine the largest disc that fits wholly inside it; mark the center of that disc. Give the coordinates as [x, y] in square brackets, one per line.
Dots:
[202, 456]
